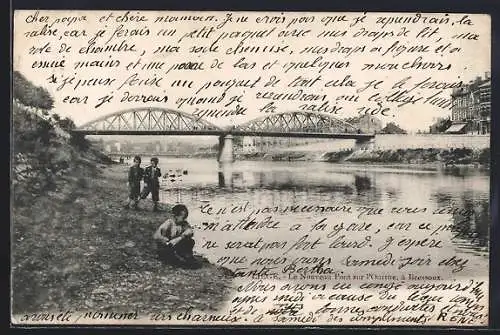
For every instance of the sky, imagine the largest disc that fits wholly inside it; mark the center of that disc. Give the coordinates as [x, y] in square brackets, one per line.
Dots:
[472, 60]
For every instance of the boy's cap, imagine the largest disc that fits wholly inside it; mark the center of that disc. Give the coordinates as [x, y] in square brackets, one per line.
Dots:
[154, 159]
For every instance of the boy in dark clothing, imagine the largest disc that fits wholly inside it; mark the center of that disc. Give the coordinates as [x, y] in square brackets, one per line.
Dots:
[175, 239]
[135, 175]
[152, 183]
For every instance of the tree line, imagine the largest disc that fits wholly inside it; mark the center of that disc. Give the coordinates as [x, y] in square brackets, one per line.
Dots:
[44, 146]
[36, 97]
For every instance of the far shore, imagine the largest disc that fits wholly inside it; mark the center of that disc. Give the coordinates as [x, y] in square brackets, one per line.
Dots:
[429, 159]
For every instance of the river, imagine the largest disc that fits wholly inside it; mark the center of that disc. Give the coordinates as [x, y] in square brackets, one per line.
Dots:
[268, 184]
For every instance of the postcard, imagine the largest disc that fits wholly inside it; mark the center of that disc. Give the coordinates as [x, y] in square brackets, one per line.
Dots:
[250, 168]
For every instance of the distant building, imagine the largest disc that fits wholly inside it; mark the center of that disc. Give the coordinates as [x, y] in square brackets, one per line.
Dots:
[248, 144]
[471, 107]
[485, 106]
[368, 124]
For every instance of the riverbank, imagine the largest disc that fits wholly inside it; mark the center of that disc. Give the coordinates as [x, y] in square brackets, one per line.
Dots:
[430, 158]
[76, 247]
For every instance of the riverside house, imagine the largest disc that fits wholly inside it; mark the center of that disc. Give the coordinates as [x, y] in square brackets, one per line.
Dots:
[471, 111]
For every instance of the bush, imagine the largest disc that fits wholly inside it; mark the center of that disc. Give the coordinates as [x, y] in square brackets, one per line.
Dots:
[484, 157]
[30, 130]
[30, 95]
[37, 154]
[77, 140]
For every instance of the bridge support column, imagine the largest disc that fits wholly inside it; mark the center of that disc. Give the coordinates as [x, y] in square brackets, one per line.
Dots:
[226, 151]
[364, 144]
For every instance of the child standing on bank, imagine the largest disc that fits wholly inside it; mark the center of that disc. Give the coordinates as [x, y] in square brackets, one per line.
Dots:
[152, 183]
[135, 175]
[175, 239]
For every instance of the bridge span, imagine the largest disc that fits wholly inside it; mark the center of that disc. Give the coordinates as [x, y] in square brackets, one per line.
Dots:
[161, 121]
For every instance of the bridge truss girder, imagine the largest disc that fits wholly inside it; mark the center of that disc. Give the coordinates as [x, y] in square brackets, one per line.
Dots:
[149, 120]
[297, 122]
[161, 121]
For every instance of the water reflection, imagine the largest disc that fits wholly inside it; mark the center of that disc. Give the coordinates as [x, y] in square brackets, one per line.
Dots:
[293, 183]
[344, 183]
[362, 183]
[470, 221]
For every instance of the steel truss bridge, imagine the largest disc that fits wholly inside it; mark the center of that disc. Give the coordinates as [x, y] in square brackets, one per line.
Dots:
[162, 121]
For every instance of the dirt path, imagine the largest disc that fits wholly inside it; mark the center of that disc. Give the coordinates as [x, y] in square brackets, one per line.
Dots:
[78, 248]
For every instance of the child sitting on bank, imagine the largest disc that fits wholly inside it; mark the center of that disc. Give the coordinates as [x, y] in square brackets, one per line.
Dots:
[174, 239]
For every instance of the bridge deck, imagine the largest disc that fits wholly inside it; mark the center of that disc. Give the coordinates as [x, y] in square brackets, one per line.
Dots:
[234, 133]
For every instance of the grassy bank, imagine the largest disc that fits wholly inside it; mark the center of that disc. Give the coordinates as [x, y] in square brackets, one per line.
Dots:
[73, 246]
[408, 157]
[446, 157]
[78, 248]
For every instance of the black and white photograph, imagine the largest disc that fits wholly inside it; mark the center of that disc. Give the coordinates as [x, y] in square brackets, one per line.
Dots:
[250, 168]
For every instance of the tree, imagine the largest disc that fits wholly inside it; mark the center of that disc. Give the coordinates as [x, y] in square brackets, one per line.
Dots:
[440, 125]
[65, 124]
[20, 88]
[393, 128]
[30, 95]
[238, 141]
[43, 99]
[76, 139]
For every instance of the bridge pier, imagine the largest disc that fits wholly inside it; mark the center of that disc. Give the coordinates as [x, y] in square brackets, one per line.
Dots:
[226, 150]
[364, 144]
